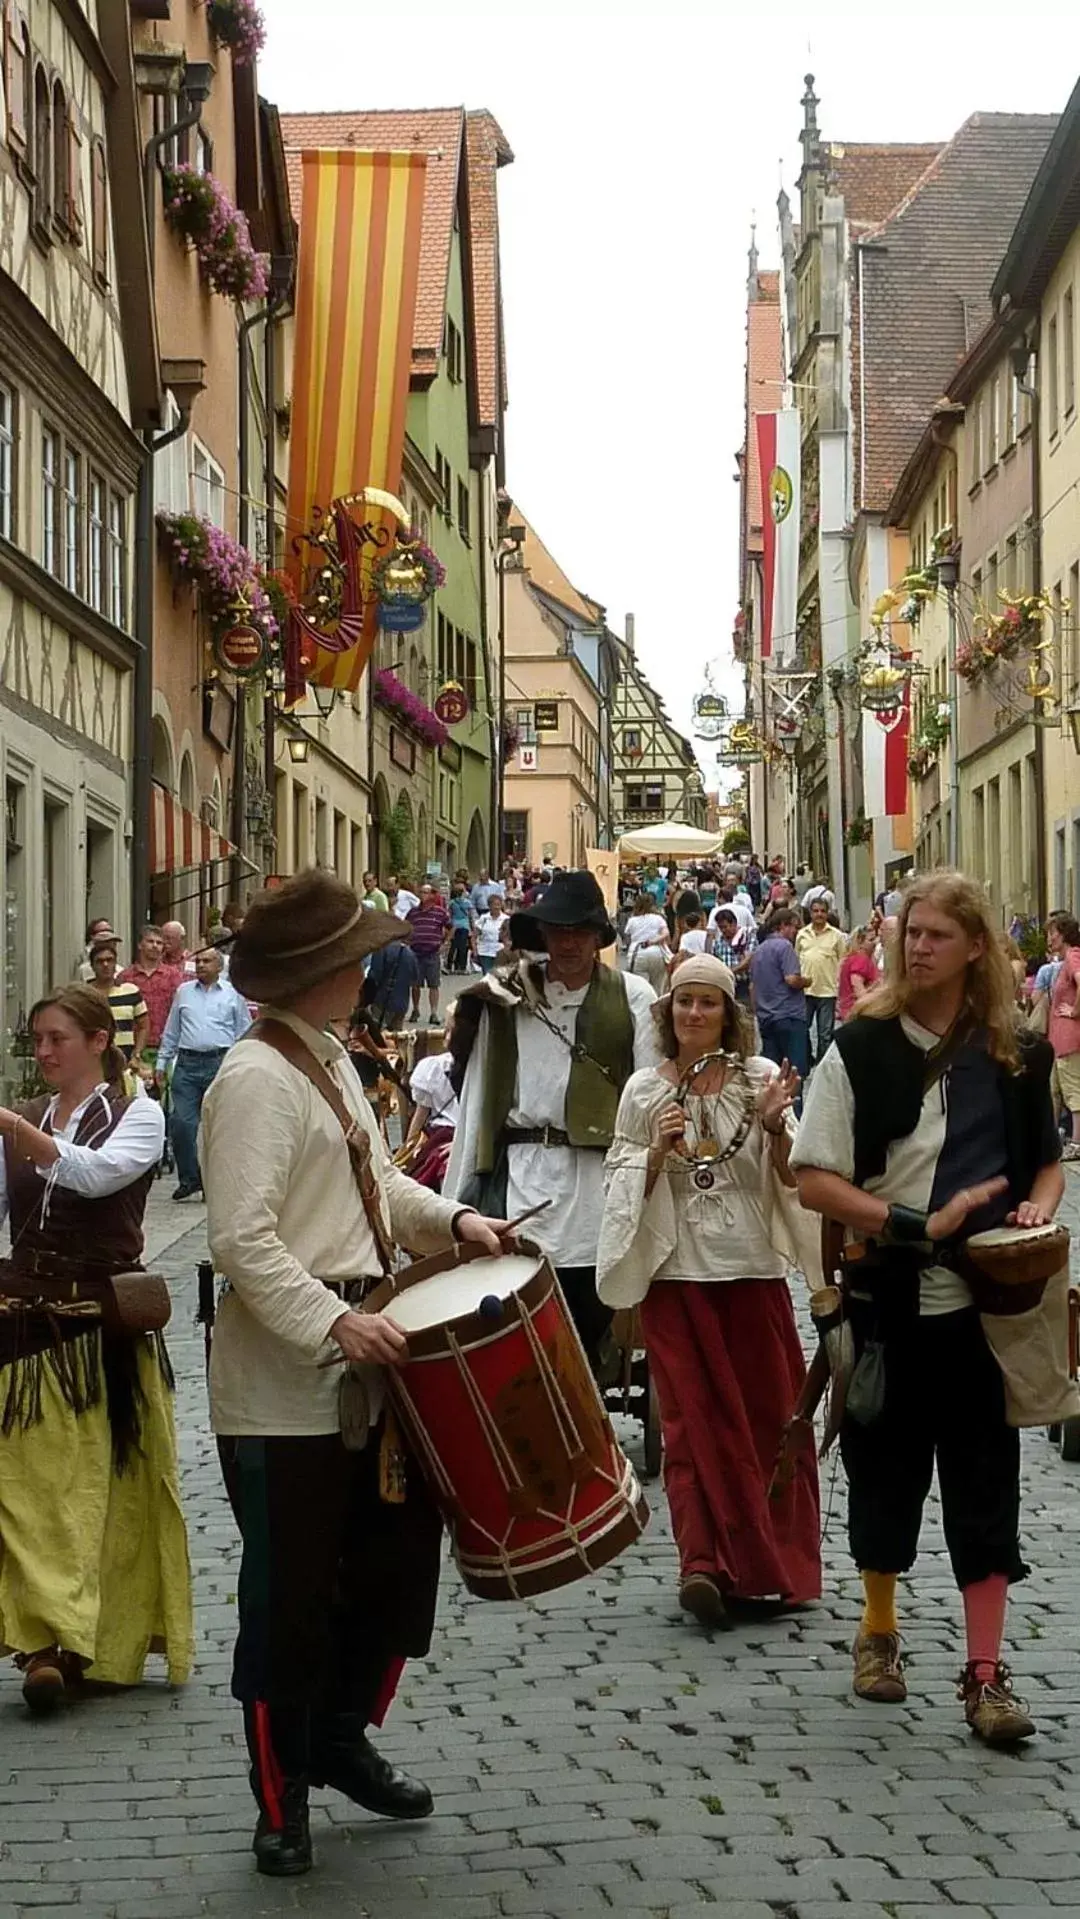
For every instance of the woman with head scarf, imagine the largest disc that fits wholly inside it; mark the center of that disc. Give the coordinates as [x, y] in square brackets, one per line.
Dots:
[697, 1230]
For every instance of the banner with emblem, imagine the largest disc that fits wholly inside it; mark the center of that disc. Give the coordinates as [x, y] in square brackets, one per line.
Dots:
[359, 263]
[780, 454]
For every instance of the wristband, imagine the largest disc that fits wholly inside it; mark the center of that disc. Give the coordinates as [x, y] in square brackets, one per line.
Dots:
[905, 1226]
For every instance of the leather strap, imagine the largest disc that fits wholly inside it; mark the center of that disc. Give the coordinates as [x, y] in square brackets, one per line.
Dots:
[274, 1033]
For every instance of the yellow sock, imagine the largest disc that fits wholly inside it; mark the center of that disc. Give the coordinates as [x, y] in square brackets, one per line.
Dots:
[879, 1612]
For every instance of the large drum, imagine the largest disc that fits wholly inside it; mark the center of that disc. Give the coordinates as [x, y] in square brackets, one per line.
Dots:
[500, 1405]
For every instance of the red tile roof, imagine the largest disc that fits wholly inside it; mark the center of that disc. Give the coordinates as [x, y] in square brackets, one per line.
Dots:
[926, 288]
[487, 149]
[546, 573]
[438, 131]
[874, 179]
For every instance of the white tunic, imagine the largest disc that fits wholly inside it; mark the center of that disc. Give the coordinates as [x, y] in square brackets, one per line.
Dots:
[748, 1225]
[571, 1179]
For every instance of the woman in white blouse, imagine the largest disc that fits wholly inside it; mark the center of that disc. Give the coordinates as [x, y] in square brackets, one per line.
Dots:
[93, 1549]
[700, 1229]
[648, 942]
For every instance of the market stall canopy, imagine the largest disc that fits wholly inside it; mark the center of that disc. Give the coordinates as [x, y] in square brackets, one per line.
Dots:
[179, 842]
[671, 836]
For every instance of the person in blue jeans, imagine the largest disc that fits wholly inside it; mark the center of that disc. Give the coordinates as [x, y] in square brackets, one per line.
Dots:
[206, 1016]
[778, 992]
[461, 924]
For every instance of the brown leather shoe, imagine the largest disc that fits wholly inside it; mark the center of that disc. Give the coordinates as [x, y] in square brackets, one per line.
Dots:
[991, 1708]
[701, 1597]
[878, 1672]
[43, 1680]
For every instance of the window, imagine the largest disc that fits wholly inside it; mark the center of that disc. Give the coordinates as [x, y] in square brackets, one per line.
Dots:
[95, 543]
[50, 475]
[463, 510]
[631, 741]
[442, 646]
[117, 548]
[72, 517]
[454, 361]
[209, 480]
[16, 79]
[472, 686]
[99, 214]
[1012, 411]
[526, 727]
[7, 462]
[977, 440]
[1010, 564]
[643, 797]
[992, 584]
[993, 437]
[1052, 402]
[442, 474]
[43, 174]
[172, 483]
[204, 152]
[1068, 354]
[68, 150]
[976, 584]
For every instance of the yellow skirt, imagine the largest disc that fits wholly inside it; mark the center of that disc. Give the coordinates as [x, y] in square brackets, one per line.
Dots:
[91, 1560]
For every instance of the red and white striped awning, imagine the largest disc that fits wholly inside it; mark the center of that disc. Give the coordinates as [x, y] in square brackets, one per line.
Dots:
[179, 841]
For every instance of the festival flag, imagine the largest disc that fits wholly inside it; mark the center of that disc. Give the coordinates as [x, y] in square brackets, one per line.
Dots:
[360, 224]
[779, 462]
[885, 758]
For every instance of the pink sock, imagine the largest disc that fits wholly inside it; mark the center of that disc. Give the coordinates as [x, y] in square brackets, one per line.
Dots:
[984, 1618]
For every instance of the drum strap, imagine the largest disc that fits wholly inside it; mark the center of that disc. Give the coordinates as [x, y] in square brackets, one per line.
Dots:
[273, 1033]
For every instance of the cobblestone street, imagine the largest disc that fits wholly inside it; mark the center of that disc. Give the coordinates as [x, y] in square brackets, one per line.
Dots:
[592, 1751]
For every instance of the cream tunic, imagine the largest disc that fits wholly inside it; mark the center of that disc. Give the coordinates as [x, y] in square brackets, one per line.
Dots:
[747, 1226]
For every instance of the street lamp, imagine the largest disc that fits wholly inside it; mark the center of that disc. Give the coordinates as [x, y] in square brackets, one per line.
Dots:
[325, 698]
[298, 748]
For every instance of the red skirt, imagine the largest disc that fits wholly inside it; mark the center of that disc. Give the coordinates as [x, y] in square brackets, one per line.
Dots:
[728, 1365]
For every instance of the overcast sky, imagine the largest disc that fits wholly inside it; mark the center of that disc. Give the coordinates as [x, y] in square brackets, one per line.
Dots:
[646, 138]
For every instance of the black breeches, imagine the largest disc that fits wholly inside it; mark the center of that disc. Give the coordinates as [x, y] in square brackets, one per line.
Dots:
[944, 1402]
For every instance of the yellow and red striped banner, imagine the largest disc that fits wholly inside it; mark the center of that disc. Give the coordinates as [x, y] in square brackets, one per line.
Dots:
[360, 225]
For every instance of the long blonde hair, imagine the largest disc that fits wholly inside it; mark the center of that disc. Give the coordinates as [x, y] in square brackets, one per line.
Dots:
[990, 1000]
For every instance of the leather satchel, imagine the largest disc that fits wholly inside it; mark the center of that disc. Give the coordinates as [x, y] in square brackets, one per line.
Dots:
[132, 1302]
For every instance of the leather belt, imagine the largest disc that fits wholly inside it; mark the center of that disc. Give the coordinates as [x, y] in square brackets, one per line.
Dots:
[544, 1136]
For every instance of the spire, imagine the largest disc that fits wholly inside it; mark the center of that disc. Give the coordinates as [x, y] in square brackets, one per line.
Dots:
[752, 272]
[809, 138]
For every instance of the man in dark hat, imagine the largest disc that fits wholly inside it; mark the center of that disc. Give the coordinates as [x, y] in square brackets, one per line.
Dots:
[341, 1543]
[556, 1036]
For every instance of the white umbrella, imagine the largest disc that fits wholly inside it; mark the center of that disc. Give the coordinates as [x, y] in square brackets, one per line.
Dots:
[671, 836]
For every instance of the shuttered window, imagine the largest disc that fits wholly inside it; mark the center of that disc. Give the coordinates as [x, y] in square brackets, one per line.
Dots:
[99, 214]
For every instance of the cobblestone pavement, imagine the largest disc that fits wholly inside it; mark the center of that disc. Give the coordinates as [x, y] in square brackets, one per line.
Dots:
[592, 1751]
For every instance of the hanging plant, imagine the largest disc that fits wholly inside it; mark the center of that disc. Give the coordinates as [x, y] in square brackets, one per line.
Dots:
[238, 25]
[859, 831]
[199, 210]
[394, 695]
[511, 740]
[205, 556]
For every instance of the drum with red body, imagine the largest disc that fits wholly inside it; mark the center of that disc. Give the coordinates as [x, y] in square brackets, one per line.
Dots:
[502, 1410]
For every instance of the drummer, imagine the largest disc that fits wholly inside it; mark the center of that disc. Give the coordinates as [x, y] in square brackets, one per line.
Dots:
[545, 1046]
[340, 1547]
[965, 1142]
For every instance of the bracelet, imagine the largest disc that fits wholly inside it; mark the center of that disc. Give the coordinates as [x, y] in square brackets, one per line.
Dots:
[776, 1131]
[905, 1226]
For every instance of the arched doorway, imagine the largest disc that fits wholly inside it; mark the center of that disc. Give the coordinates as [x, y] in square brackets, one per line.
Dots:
[423, 844]
[187, 783]
[476, 852]
[401, 838]
[161, 757]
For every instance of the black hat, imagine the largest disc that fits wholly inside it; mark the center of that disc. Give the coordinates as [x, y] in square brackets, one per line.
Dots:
[570, 899]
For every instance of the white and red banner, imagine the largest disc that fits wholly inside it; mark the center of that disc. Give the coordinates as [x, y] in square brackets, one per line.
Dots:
[885, 757]
[779, 459]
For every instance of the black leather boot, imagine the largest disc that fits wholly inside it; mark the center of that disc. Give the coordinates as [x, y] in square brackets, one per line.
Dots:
[284, 1850]
[277, 1742]
[342, 1756]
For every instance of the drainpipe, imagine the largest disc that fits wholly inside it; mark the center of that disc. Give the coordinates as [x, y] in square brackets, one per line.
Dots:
[1030, 389]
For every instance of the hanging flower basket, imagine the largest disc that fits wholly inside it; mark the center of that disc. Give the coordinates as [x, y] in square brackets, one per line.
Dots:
[511, 740]
[860, 830]
[392, 694]
[199, 211]
[228, 579]
[238, 25]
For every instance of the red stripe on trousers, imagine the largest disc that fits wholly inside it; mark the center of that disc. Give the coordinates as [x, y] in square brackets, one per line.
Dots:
[271, 1783]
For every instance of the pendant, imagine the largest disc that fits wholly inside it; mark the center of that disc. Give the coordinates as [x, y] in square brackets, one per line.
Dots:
[707, 1148]
[704, 1180]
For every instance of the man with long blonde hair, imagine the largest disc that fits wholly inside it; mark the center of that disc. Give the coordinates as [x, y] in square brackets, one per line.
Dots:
[927, 1121]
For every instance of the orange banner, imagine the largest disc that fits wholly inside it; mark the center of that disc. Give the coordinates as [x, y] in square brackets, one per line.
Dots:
[356, 303]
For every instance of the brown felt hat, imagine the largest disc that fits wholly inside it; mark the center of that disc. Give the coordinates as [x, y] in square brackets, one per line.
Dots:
[299, 933]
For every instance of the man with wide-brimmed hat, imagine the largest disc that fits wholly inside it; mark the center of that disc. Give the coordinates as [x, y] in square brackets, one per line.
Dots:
[555, 1036]
[341, 1541]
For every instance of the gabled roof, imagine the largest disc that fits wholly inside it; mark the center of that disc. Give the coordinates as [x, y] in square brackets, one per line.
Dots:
[487, 149]
[440, 133]
[548, 577]
[874, 179]
[1050, 217]
[926, 271]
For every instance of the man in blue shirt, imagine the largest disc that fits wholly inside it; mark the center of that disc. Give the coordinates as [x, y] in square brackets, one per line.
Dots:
[206, 1016]
[482, 892]
[779, 993]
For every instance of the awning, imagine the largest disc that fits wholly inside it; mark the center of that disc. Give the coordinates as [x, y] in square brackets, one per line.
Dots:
[179, 842]
[671, 836]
